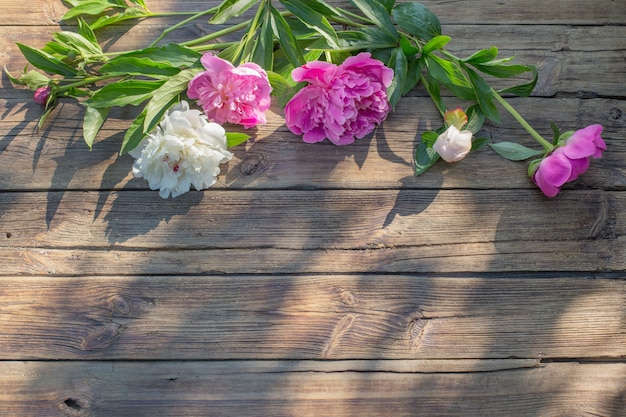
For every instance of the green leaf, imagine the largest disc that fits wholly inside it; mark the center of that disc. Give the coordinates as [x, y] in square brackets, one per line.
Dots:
[172, 54]
[312, 19]
[556, 133]
[165, 95]
[45, 61]
[432, 86]
[379, 15]
[231, 8]
[77, 42]
[417, 20]
[370, 38]
[32, 79]
[484, 96]
[429, 138]
[425, 157]
[476, 119]
[282, 90]
[124, 93]
[263, 52]
[103, 21]
[87, 33]
[436, 43]
[134, 134]
[234, 138]
[524, 90]
[414, 72]
[449, 75]
[125, 65]
[482, 56]
[399, 64]
[387, 4]
[92, 122]
[514, 151]
[407, 47]
[89, 7]
[287, 41]
[478, 143]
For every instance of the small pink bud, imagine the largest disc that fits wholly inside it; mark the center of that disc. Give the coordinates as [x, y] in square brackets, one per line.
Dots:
[42, 94]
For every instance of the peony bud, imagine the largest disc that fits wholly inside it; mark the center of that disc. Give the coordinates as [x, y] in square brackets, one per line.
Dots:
[42, 94]
[453, 145]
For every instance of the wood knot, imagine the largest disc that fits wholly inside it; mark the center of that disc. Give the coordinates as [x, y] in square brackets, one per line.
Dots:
[251, 164]
[616, 115]
[101, 337]
[120, 305]
[75, 405]
[348, 298]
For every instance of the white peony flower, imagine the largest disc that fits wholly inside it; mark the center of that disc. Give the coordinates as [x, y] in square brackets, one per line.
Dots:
[453, 145]
[184, 150]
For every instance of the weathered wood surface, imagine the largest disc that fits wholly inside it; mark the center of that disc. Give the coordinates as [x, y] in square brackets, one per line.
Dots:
[522, 388]
[329, 282]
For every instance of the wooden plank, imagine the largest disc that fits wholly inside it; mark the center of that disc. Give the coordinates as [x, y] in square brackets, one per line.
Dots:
[576, 256]
[339, 389]
[58, 159]
[311, 317]
[339, 219]
[565, 61]
[41, 12]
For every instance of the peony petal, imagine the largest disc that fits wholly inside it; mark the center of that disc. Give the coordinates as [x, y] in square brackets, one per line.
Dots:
[583, 142]
[215, 64]
[555, 169]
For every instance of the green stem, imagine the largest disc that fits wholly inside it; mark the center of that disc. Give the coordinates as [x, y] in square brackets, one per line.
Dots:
[215, 35]
[547, 145]
[85, 81]
[181, 23]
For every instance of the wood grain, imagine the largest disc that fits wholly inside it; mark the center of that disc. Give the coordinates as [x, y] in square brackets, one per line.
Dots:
[338, 389]
[311, 317]
[321, 280]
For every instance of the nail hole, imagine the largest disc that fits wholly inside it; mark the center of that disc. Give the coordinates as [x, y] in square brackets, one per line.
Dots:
[73, 404]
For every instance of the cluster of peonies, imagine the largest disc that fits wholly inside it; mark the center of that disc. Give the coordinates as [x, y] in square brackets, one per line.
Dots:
[341, 103]
[568, 161]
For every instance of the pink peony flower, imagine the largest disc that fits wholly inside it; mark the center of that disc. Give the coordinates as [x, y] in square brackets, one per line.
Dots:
[42, 94]
[569, 161]
[340, 103]
[230, 94]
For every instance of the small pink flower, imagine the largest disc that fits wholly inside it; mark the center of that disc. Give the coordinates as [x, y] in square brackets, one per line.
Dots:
[229, 94]
[42, 94]
[569, 161]
[341, 103]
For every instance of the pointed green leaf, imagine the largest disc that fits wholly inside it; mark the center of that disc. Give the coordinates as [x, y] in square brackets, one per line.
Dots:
[478, 143]
[125, 65]
[45, 61]
[425, 157]
[399, 64]
[524, 90]
[130, 13]
[288, 43]
[379, 15]
[86, 32]
[312, 19]
[417, 19]
[482, 56]
[436, 43]
[484, 96]
[235, 138]
[90, 7]
[165, 95]
[476, 119]
[231, 8]
[514, 151]
[123, 93]
[172, 54]
[92, 122]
